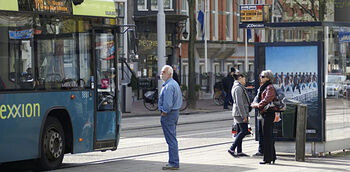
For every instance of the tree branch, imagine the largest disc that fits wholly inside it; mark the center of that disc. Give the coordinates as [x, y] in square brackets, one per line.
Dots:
[310, 12]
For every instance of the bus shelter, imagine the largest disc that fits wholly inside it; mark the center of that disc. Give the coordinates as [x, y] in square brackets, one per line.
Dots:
[311, 63]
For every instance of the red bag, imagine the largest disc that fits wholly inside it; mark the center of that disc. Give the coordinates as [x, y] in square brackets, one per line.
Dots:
[234, 130]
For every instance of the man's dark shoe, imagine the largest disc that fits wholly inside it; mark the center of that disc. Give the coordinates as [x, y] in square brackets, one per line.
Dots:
[231, 152]
[258, 154]
[169, 167]
[242, 154]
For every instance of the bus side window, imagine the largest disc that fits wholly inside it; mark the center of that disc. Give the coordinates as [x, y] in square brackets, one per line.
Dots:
[20, 65]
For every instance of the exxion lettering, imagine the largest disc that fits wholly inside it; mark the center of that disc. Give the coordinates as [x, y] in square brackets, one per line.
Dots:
[19, 111]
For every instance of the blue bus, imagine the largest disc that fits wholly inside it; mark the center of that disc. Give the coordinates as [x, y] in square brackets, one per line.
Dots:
[58, 79]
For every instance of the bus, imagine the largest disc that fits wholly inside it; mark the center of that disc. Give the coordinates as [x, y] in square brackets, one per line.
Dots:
[58, 79]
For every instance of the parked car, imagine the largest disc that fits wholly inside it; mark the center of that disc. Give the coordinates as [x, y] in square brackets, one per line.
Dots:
[334, 85]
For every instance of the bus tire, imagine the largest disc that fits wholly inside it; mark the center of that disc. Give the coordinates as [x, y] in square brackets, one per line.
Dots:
[53, 144]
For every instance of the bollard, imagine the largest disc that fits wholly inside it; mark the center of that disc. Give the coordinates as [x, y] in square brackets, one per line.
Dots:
[300, 137]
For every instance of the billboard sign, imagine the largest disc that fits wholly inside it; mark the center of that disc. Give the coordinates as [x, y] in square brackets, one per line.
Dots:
[344, 34]
[298, 74]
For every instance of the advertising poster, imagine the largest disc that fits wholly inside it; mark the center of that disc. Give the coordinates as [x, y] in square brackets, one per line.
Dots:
[296, 72]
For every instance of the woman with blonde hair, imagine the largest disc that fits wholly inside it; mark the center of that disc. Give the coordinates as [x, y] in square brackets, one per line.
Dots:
[266, 95]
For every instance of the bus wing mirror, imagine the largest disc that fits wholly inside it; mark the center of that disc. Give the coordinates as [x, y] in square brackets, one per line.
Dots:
[132, 44]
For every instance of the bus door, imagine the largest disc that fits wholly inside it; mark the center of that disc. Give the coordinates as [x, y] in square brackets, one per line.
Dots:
[105, 79]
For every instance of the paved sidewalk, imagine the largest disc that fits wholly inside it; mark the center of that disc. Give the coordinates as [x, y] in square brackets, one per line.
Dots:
[199, 157]
[203, 106]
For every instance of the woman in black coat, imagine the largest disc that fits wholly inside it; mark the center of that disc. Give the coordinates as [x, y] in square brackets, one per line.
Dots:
[266, 95]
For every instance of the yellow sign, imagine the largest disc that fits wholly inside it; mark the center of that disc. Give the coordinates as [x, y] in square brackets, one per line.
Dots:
[252, 13]
[11, 5]
[19, 111]
[51, 5]
[100, 8]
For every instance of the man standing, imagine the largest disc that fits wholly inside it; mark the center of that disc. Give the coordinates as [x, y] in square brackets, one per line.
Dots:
[228, 83]
[169, 103]
[175, 75]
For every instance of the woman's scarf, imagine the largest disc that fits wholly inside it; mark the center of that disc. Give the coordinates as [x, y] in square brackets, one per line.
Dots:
[262, 88]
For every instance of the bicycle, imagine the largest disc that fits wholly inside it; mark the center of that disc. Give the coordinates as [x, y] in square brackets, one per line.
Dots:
[184, 102]
[219, 97]
[219, 93]
[150, 100]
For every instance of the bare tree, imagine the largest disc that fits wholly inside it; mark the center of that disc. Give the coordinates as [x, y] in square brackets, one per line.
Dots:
[192, 98]
[317, 11]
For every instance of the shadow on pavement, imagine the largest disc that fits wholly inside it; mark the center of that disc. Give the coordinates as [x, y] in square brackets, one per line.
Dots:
[19, 166]
[148, 166]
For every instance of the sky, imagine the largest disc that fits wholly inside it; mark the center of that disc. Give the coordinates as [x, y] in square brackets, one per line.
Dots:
[291, 59]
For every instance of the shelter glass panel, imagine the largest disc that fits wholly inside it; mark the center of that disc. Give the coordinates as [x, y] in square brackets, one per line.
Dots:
[337, 84]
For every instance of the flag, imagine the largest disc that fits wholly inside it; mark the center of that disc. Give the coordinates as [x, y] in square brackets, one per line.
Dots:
[200, 19]
[249, 34]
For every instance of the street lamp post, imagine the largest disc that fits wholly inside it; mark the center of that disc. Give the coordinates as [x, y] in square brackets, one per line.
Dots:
[161, 40]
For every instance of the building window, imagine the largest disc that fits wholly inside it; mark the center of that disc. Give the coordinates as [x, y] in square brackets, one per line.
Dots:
[239, 66]
[142, 5]
[184, 11]
[120, 7]
[168, 5]
[201, 68]
[217, 68]
[251, 66]
[215, 19]
[229, 19]
[229, 66]
[184, 7]
[239, 30]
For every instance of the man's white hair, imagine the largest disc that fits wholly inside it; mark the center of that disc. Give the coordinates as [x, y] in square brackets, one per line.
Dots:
[170, 70]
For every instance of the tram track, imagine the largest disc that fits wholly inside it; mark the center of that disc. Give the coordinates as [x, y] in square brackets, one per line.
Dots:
[180, 123]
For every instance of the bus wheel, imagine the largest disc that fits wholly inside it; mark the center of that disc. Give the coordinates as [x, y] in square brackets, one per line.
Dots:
[53, 144]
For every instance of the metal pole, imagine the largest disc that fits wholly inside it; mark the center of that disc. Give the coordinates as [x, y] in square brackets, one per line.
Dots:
[180, 63]
[272, 19]
[326, 46]
[161, 40]
[300, 137]
[246, 50]
[206, 32]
